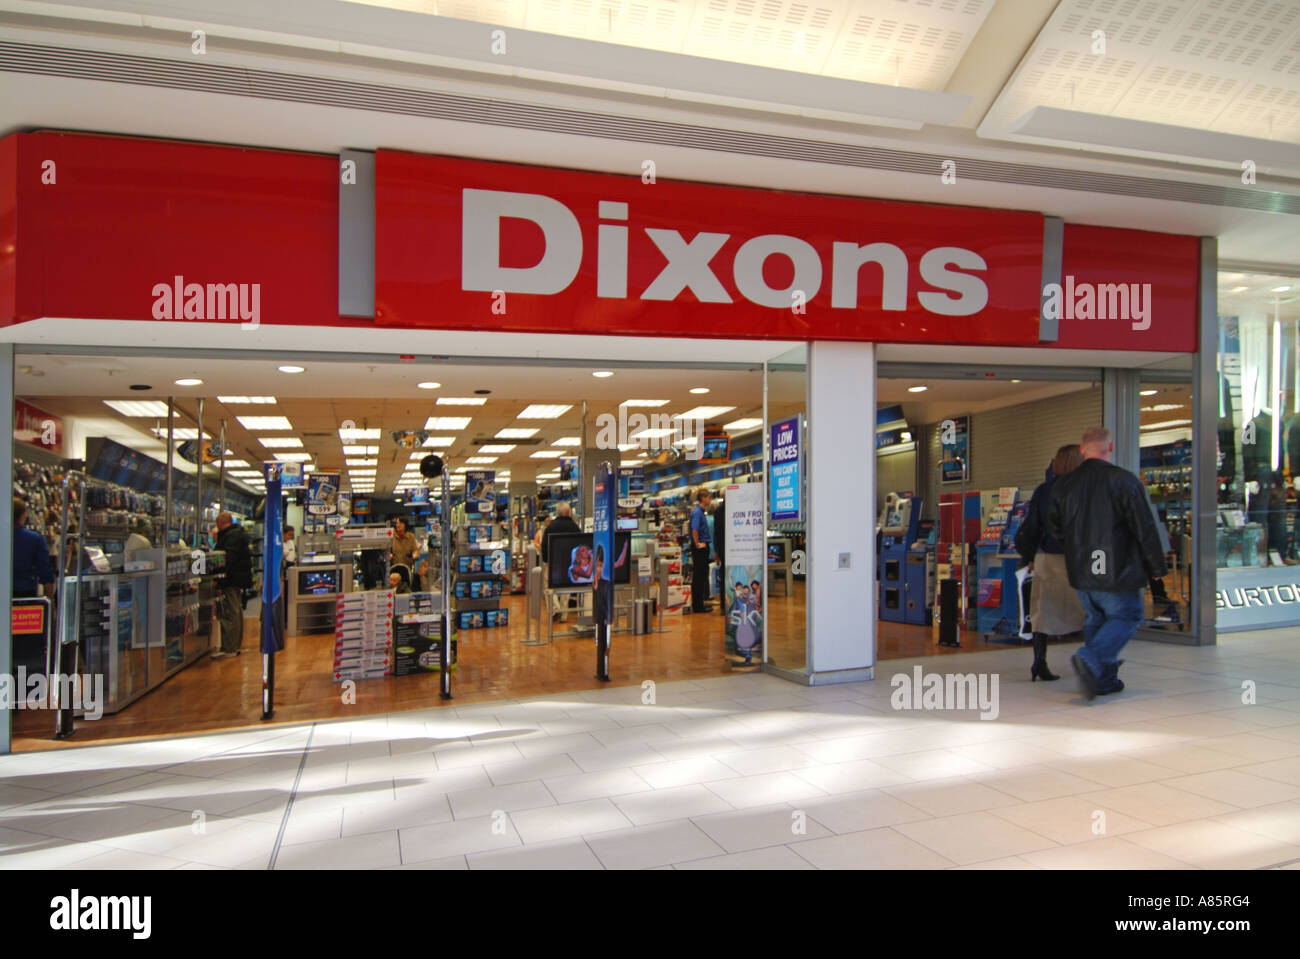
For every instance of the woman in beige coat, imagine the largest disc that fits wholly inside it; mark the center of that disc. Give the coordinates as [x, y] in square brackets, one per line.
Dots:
[1054, 608]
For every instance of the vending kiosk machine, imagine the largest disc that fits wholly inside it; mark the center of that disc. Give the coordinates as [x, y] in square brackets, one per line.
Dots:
[898, 525]
[920, 580]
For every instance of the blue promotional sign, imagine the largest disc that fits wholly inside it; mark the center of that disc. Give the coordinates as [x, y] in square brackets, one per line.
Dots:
[323, 494]
[604, 510]
[481, 491]
[787, 483]
[631, 486]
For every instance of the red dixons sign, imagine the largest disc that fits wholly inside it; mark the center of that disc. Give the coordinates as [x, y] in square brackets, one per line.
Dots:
[470, 244]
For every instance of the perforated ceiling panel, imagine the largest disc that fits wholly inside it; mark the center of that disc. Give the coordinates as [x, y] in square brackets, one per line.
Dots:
[1230, 66]
[908, 43]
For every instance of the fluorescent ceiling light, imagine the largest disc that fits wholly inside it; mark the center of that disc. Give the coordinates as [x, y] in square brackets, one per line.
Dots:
[462, 469]
[704, 412]
[1148, 392]
[291, 369]
[917, 389]
[746, 423]
[497, 448]
[447, 423]
[238, 464]
[360, 450]
[244, 473]
[234, 400]
[568, 441]
[152, 408]
[360, 472]
[546, 454]
[1165, 424]
[359, 434]
[361, 462]
[481, 460]
[280, 442]
[293, 457]
[542, 411]
[517, 433]
[265, 422]
[1162, 407]
[624, 447]
[437, 442]
[689, 443]
[1279, 289]
[1143, 138]
[461, 400]
[184, 433]
[651, 434]
[603, 374]
[651, 403]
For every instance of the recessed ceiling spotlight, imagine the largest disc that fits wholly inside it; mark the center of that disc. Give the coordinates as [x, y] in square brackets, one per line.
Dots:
[134, 386]
[1015, 381]
[292, 369]
[700, 390]
[430, 385]
[482, 392]
[189, 381]
[603, 374]
[1281, 289]
[917, 389]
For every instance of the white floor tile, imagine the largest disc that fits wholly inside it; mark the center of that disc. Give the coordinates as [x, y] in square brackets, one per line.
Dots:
[660, 844]
[569, 820]
[974, 837]
[872, 849]
[371, 851]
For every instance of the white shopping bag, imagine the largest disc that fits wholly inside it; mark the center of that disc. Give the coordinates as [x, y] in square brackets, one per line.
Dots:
[1024, 627]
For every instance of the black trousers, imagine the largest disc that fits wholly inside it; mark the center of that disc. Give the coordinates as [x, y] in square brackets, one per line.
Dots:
[699, 578]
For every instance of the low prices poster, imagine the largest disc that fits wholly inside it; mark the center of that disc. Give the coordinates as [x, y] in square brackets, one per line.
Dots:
[742, 587]
[787, 485]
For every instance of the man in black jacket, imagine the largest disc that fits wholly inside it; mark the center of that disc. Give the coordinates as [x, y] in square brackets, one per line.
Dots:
[563, 523]
[1101, 515]
[238, 577]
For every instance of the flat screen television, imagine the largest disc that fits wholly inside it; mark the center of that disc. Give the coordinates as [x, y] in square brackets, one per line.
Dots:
[715, 449]
[419, 495]
[776, 552]
[628, 523]
[360, 506]
[572, 561]
[317, 581]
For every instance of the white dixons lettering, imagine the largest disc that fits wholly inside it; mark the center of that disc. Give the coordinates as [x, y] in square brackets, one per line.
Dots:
[480, 266]
[689, 264]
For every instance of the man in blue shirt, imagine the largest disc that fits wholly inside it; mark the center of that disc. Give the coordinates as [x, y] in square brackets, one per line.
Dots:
[32, 571]
[701, 535]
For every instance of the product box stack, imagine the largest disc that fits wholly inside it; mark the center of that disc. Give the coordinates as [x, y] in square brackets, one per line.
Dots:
[363, 635]
[679, 591]
[417, 634]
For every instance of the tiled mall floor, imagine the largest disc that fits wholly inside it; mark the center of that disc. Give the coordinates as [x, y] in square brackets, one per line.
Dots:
[738, 772]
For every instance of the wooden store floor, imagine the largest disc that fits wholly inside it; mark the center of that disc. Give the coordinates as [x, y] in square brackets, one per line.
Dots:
[494, 664]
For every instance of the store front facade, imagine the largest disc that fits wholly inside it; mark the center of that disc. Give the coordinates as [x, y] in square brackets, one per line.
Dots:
[228, 252]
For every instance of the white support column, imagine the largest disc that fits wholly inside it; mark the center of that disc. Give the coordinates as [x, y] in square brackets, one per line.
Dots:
[841, 512]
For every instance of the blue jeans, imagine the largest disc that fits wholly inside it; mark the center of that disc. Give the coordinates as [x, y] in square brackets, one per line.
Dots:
[1110, 620]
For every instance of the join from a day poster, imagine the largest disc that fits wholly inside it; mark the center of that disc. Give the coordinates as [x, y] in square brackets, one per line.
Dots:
[743, 576]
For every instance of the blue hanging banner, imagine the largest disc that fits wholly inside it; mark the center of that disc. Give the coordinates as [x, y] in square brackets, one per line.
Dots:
[604, 509]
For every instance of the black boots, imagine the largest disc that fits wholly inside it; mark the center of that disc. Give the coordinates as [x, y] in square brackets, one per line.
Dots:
[1039, 670]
